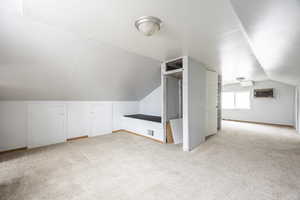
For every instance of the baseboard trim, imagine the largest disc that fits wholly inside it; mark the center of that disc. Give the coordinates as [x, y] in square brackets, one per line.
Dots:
[261, 123]
[14, 150]
[117, 131]
[82, 137]
[77, 138]
[138, 134]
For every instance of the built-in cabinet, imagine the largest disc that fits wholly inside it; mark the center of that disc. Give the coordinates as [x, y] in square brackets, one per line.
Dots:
[78, 120]
[46, 124]
[34, 124]
[50, 123]
[101, 118]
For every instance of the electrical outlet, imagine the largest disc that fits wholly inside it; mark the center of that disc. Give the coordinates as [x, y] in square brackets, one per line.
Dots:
[151, 132]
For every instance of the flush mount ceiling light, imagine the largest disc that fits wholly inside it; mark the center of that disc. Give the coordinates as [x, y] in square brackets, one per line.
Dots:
[240, 79]
[148, 25]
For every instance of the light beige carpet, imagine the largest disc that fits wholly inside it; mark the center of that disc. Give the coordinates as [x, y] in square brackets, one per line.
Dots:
[244, 161]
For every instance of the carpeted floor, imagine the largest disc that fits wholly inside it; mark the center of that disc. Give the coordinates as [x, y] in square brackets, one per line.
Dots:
[244, 161]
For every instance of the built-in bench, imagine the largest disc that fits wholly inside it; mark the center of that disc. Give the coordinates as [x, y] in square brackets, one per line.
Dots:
[145, 117]
[146, 125]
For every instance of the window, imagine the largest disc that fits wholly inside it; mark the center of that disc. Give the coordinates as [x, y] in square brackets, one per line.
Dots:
[236, 100]
[228, 100]
[242, 100]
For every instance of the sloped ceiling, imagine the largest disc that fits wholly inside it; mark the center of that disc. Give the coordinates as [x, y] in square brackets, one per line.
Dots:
[207, 30]
[43, 62]
[273, 31]
[90, 49]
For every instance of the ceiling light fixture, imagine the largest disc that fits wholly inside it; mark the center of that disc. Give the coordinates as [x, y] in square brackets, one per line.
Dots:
[240, 79]
[148, 25]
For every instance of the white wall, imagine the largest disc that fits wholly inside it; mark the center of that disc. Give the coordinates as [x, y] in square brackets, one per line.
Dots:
[14, 120]
[151, 104]
[172, 98]
[194, 104]
[123, 108]
[278, 110]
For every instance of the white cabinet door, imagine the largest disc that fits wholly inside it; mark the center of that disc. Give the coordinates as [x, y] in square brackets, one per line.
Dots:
[78, 120]
[212, 102]
[46, 124]
[101, 118]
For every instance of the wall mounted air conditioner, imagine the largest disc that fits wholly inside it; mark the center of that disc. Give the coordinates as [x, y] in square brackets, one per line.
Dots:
[267, 93]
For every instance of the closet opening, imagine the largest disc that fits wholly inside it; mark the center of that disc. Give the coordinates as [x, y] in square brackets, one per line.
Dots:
[173, 106]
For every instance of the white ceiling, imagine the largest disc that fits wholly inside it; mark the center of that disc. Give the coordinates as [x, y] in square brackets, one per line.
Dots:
[90, 49]
[273, 31]
[206, 30]
[42, 62]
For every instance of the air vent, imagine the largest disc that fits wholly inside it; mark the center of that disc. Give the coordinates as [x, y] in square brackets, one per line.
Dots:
[150, 132]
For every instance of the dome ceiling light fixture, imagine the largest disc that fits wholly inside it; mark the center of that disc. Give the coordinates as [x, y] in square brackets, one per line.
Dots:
[148, 25]
[240, 79]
